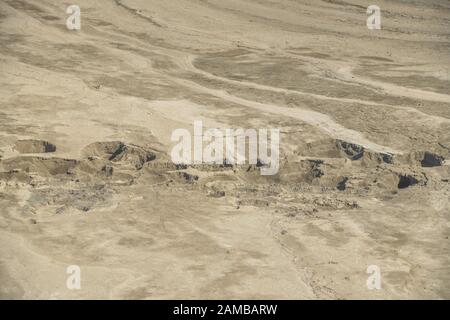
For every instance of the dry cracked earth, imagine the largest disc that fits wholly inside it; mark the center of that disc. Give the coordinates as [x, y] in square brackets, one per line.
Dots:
[86, 177]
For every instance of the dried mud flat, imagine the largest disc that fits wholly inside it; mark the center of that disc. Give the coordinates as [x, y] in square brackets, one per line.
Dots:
[86, 178]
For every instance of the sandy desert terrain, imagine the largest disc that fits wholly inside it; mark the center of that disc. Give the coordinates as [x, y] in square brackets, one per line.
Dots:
[86, 176]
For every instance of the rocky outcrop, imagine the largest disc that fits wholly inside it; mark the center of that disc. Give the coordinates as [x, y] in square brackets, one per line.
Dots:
[34, 146]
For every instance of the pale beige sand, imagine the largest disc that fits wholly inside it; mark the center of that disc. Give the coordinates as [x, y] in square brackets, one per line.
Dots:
[141, 228]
